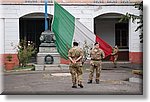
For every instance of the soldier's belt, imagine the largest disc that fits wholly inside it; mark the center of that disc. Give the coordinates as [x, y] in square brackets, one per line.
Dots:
[95, 59]
[74, 57]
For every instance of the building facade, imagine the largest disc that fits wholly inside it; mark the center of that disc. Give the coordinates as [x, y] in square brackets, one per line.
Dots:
[25, 19]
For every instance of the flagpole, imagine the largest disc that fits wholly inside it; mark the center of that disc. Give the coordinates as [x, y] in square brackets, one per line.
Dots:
[45, 16]
[53, 14]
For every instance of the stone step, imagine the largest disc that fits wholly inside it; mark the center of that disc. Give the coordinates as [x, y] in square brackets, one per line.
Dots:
[51, 67]
[136, 80]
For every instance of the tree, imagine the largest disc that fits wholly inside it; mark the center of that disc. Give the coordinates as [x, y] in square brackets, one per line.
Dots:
[128, 16]
[25, 51]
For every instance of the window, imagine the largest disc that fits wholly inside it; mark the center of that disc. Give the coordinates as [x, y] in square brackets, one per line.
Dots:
[121, 35]
[125, 1]
[98, 1]
[111, 1]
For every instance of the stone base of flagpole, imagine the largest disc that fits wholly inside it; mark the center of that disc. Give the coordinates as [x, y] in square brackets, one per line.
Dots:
[48, 61]
[48, 58]
[46, 67]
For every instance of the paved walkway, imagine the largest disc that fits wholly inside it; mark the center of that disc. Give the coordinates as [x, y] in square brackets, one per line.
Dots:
[113, 81]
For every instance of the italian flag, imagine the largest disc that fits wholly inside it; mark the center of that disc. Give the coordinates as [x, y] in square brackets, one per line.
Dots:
[68, 29]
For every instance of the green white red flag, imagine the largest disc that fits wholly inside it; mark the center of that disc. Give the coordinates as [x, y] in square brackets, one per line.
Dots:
[68, 29]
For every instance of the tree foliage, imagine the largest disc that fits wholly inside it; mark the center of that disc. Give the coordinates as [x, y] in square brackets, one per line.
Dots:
[25, 51]
[128, 16]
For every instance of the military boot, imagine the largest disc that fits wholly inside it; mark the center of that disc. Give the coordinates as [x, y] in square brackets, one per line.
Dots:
[89, 82]
[80, 85]
[74, 86]
[97, 81]
[115, 66]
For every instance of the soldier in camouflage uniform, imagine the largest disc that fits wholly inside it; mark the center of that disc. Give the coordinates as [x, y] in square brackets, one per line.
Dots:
[114, 56]
[75, 55]
[97, 55]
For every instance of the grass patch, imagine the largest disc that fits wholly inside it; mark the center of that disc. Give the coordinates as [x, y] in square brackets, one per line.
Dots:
[32, 67]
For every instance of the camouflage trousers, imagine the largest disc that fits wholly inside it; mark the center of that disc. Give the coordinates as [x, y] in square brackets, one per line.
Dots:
[76, 73]
[115, 60]
[98, 69]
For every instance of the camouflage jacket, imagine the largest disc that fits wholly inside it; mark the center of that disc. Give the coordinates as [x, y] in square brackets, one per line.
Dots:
[115, 51]
[97, 54]
[75, 52]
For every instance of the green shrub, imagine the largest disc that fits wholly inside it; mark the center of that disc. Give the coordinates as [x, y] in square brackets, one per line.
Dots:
[9, 57]
[25, 52]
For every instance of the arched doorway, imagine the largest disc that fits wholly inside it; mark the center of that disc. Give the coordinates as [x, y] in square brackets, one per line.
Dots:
[108, 27]
[31, 26]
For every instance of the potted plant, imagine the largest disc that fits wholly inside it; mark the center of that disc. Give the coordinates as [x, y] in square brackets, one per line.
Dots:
[9, 64]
